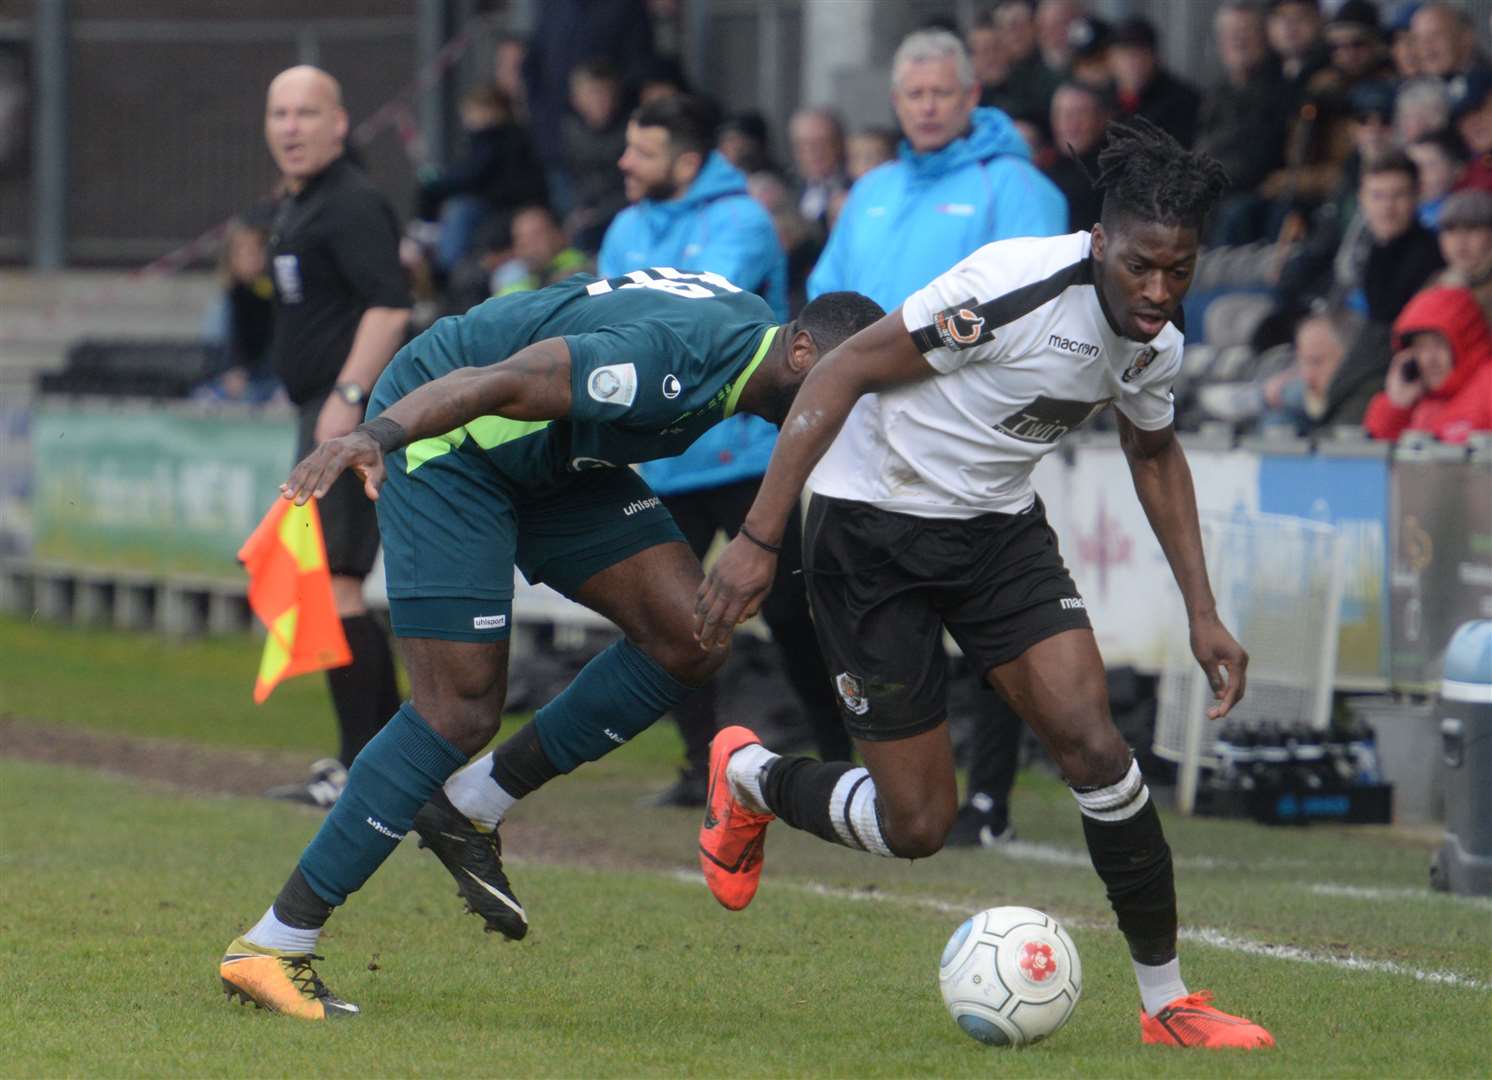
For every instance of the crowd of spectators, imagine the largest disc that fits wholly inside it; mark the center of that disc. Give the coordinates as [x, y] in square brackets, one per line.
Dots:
[1349, 130]
[1346, 280]
[1357, 141]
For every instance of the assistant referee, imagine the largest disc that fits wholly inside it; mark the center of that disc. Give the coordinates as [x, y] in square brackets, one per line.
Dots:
[341, 311]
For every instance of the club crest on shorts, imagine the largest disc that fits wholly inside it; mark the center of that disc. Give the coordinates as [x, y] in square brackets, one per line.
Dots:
[961, 326]
[1143, 359]
[671, 386]
[852, 693]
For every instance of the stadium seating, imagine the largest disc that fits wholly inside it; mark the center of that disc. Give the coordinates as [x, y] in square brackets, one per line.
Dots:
[134, 368]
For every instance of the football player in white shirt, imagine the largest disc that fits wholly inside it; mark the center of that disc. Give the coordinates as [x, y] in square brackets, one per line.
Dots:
[923, 518]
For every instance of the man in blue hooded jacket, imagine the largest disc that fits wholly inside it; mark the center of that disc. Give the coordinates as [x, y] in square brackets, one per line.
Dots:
[963, 178]
[690, 211]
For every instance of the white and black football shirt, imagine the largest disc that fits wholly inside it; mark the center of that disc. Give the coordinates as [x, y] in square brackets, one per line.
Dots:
[1023, 354]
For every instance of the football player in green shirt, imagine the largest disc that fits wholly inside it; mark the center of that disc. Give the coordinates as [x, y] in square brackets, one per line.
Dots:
[501, 438]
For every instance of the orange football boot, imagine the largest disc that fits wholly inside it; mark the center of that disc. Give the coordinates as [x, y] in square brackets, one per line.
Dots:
[280, 982]
[1192, 1021]
[731, 838]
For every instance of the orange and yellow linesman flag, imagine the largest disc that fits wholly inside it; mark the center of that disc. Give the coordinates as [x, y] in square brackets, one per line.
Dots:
[290, 589]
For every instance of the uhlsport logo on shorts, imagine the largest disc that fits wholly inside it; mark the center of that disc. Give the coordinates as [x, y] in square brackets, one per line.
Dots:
[637, 506]
[489, 622]
[852, 693]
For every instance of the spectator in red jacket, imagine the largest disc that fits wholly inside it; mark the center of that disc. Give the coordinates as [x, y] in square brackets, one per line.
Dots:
[1440, 380]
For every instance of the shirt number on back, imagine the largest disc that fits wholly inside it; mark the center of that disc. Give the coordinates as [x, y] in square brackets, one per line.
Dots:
[701, 286]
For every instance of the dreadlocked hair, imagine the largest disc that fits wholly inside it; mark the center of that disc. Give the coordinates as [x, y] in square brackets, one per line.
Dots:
[1145, 173]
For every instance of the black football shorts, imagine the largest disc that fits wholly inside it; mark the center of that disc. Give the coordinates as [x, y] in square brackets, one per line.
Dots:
[883, 586]
[349, 520]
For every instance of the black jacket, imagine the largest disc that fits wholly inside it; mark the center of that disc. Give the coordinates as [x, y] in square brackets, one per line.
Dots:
[567, 32]
[1359, 377]
[1244, 126]
[499, 166]
[1396, 271]
[591, 163]
[1171, 105]
[1083, 203]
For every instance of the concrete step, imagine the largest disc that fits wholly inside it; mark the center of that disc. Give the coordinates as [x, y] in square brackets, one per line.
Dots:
[42, 309]
[41, 315]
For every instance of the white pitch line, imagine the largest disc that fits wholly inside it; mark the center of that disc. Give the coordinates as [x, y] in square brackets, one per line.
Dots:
[1346, 961]
[1365, 892]
[1204, 935]
[1053, 855]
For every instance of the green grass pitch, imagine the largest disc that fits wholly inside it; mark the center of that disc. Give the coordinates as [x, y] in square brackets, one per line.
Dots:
[117, 896]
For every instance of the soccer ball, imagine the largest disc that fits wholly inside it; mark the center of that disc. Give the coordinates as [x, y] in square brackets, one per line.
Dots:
[1010, 976]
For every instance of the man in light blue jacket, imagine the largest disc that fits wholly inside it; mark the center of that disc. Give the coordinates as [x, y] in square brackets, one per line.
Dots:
[690, 211]
[963, 177]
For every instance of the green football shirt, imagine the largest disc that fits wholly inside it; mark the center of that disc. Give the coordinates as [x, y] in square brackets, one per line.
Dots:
[657, 357]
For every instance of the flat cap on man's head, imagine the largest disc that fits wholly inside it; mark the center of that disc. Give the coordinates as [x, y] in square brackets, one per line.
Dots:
[1469, 92]
[1372, 98]
[1469, 209]
[1401, 15]
[1358, 13]
[1138, 31]
[1088, 36]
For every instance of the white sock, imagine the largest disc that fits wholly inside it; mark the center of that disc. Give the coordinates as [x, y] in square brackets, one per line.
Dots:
[1159, 986]
[1117, 802]
[270, 933]
[477, 795]
[744, 772]
[852, 809]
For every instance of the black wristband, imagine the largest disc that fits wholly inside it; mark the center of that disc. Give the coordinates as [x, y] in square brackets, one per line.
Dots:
[385, 432]
[775, 549]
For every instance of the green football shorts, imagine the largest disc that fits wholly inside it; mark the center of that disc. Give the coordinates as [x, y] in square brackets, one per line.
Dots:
[454, 529]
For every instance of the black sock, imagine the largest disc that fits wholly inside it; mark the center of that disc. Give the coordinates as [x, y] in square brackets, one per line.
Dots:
[798, 790]
[299, 906]
[520, 765]
[365, 692]
[994, 759]
[1134, 861]
[695, 716]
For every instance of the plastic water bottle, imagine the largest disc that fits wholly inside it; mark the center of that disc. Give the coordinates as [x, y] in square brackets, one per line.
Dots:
[1225, 750]
[1307, 758]
[1364, 746]
[1245, 758]
[1273, 757]
[1341, 764]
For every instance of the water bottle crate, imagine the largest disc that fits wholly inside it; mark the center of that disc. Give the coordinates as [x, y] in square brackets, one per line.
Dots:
[1359, 804]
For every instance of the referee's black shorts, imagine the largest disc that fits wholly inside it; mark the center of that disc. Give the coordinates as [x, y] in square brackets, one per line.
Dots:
[884, 585]
[349, 520]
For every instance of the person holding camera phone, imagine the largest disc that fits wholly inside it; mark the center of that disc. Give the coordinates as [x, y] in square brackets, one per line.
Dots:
[1440, 380]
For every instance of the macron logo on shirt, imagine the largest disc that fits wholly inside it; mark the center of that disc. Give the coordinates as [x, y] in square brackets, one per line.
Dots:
[1079, 348]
